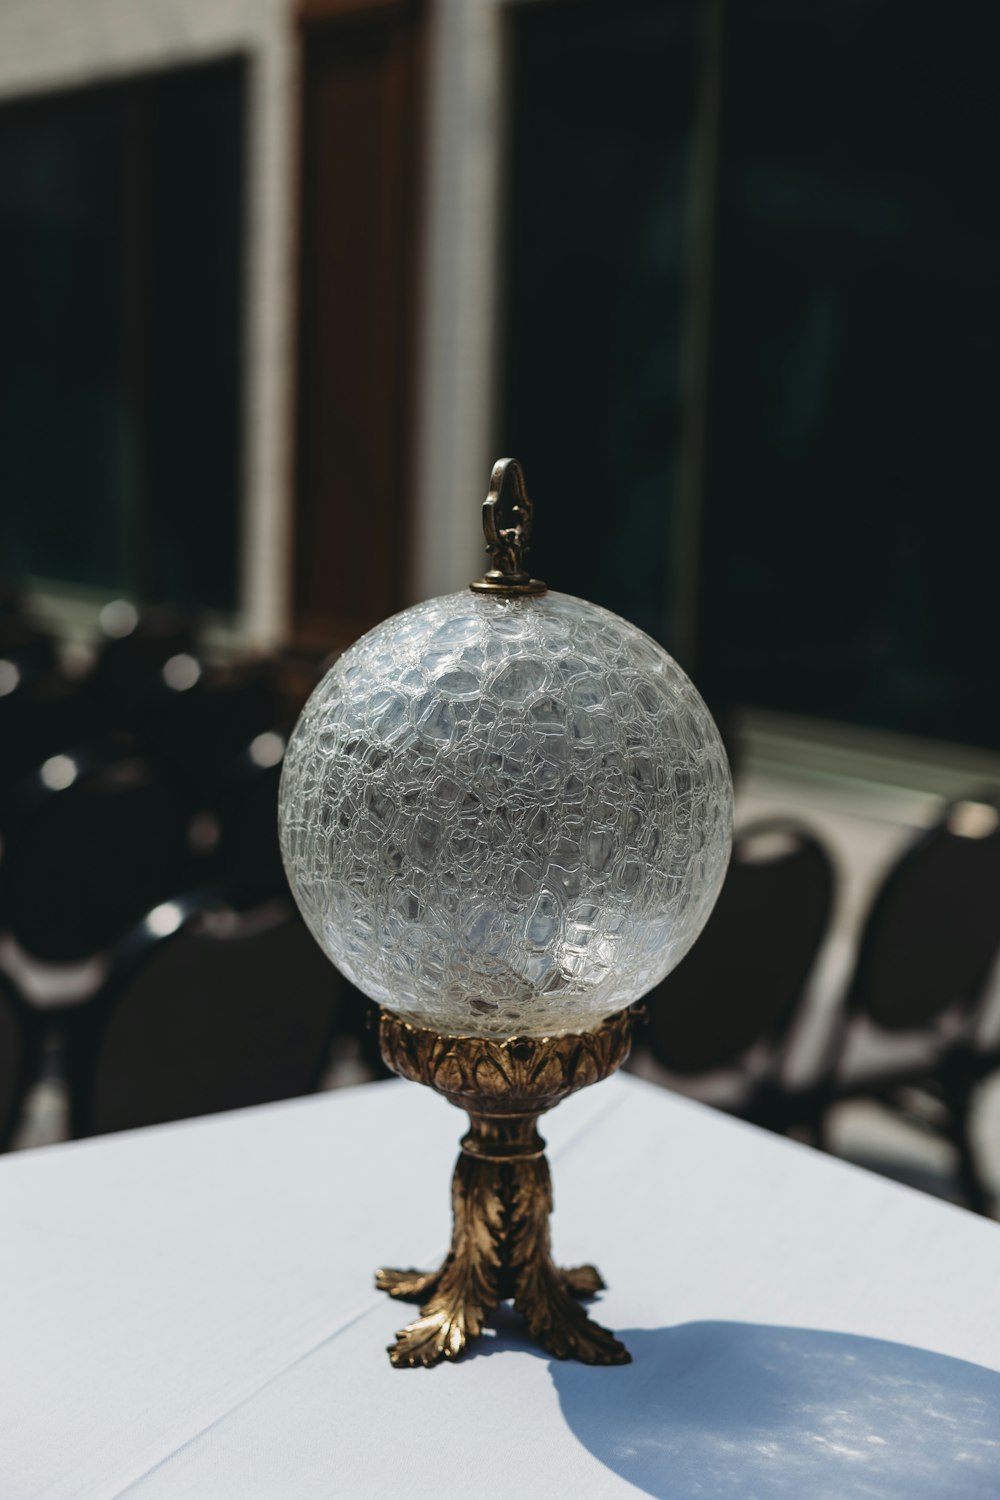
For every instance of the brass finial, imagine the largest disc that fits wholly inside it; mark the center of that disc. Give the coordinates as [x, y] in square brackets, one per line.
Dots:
[507, 545]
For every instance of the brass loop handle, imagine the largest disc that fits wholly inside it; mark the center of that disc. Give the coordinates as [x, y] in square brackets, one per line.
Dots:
[507, 520]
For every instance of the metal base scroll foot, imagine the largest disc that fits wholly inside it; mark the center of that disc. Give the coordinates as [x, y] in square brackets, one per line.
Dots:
[501, 1202]
[500, 1250]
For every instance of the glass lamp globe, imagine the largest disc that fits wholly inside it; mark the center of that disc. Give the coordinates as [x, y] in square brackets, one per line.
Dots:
[505, 813]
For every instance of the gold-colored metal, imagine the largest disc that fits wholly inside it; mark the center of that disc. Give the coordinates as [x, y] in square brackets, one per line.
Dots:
[501, 1190]
[507, 544]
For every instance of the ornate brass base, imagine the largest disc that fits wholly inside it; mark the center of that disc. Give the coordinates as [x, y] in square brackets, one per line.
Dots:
[501, 1190]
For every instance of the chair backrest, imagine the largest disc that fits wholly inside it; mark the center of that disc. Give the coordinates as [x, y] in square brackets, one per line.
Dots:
[742, 981]
[39, 717]
[27, 646]
[204, 1012]
[94, 839]
[135, 653]
[19, 1054]
[933, 930]
[202, 724]
[248, 808]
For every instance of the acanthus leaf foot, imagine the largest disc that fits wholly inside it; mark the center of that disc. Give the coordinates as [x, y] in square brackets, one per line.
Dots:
[560, 1324]
[448, 1323]
[407, 1286]
[582, 1281]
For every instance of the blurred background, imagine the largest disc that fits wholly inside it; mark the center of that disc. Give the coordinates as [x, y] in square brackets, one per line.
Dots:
[278, 281]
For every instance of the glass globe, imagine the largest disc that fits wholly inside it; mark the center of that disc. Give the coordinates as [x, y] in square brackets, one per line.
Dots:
[505, 816]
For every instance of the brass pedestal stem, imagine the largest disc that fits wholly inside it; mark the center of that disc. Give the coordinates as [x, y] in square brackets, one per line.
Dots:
[501, 1190]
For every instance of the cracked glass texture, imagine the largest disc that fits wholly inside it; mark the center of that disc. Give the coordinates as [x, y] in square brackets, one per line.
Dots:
[505, 816]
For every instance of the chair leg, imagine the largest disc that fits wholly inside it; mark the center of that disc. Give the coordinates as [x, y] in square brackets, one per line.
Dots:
[974, 1190]
[785, 1111]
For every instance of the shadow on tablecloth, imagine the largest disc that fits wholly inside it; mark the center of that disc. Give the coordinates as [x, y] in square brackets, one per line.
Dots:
[739, 1411]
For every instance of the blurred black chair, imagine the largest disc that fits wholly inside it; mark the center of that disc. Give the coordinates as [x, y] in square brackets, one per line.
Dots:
[207, 1007]
[297, 670]
[912, 1009]
[720, 1024]
[249, 850]
[248, 814]
[201, 719]
[40, 715]
[134, 652]
[20, 1056]
[92, 839]
[25, 643]
[26, 648]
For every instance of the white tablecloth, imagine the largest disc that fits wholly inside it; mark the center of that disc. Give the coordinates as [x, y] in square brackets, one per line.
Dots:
[188, 1312]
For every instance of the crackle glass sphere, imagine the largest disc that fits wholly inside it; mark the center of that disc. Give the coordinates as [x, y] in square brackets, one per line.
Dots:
[505, 816]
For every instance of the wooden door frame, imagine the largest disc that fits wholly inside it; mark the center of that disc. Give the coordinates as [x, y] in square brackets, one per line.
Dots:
[318, 23]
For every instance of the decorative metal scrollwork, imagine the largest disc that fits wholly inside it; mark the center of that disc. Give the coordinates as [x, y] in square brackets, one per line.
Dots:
[501, 1190]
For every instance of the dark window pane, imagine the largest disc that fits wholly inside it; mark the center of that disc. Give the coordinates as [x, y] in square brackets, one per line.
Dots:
[603, 106]
[851, 532]
[121, 213]
[847, 526]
